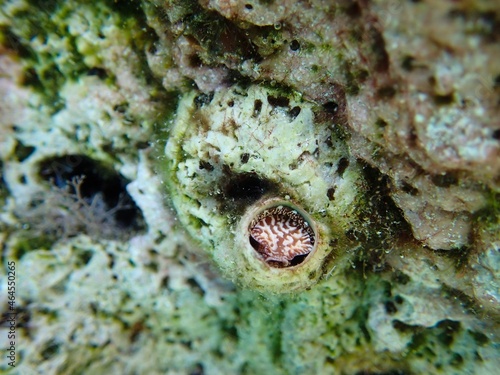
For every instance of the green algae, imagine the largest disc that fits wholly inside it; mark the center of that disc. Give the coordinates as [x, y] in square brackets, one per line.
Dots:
[155, 299]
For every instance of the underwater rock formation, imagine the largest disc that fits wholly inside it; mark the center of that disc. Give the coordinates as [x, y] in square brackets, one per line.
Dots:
[250, 187]
[239, 151]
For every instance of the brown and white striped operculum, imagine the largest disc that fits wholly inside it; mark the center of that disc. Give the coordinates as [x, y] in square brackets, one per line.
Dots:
[281, 234]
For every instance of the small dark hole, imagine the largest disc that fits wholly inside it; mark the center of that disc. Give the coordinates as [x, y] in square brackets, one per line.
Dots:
[99, 72]
[408, 189]
[257, 107]
[121, 108]
[496, 134]
[386, 92]
[331, 107]
[480, 338]
[497, 81]
[443, 99]
[248, 6]
[203, 99]
[279, 101]
[195, 61]
[206, 165]
[86, 256]
[23, 152]
[408, 63]
[354, 10]
[246, 186]
[244, 158]
[152, 49]
[331, 194]
[294, 45]
[390, 308]
[51, 348]
[342, 166]
[193, 283]
[456, 360]
[381, 123]
[294, 112]
[444, 180]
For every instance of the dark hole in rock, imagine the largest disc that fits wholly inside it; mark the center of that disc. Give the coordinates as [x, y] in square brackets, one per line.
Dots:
[331, 107]
[246, 187]
[98, 72]
[386, 92]
[85, 256]
[195, 61]
[51, 348]
[152, 49]
[203, 99]
[195, 286]
[497, 81]
[342, 166]
[381, 123]
[206, 165]
[23, 152]
[294, 112]
[121, 108]
[279, 101]
[380, 55]
[98, 180]
[408, 189]
[444, 99]
[294, 45]
[234, 76]
[257, 107]
[496, 134]
[408, 63]
[390, 308]
[480, 338]
[444, 180]
[448, 330]
[354, 10]
[244, 158]
[331, 194]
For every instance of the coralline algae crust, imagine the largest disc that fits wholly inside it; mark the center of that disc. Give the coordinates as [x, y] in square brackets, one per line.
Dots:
[231, 151]
[404, 80]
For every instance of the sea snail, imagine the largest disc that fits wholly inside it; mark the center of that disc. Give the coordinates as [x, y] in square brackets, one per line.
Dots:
[281, 236]
[266, 189]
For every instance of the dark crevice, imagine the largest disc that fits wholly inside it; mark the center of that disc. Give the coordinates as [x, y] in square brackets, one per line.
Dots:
[99, 182]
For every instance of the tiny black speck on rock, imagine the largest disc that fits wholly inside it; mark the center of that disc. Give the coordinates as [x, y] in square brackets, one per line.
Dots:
[294, 45]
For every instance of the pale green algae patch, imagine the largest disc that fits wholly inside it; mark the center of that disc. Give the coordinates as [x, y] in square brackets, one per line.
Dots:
[83, 82]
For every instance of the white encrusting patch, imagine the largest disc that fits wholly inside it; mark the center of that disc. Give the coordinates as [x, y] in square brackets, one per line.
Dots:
[279, 234]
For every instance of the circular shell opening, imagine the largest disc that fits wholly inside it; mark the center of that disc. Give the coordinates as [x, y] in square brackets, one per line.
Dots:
[281, 236]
